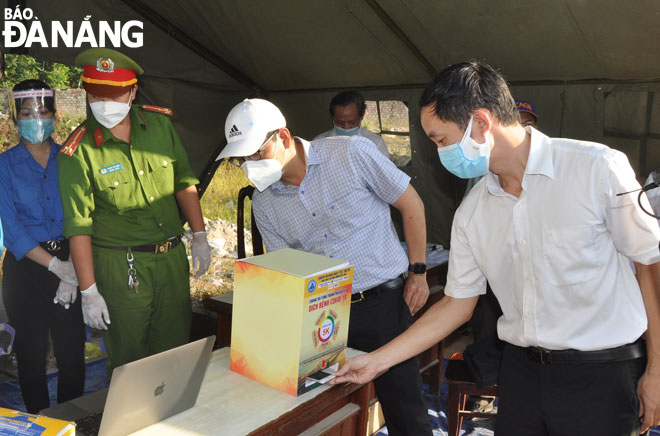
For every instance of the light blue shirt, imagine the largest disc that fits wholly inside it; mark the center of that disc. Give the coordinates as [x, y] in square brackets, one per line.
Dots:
[340, 210]
[30, 204]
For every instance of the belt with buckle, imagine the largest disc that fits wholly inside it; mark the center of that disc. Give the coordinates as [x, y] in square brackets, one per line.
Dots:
[161, 248]
[53, 246]
[377, 290]
[558, 357]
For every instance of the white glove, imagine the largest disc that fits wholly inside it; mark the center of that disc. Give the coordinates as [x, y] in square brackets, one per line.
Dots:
[201, 253]
[64, 270]
[94, 308]
[66, 294]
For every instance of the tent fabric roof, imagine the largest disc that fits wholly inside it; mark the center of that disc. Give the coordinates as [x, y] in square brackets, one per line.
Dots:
[202, 57]
[344, 43]
[309, 44]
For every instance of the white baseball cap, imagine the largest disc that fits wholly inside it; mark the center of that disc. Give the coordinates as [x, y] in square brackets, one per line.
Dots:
[247, 125]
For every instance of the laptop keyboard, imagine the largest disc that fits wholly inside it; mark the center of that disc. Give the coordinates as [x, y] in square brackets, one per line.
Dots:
[90, 424]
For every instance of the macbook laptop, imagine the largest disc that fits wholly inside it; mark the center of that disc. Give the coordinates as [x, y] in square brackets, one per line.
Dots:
[143, 392]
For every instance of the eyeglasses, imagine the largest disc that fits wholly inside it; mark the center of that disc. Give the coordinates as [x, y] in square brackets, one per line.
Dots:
[238, 161]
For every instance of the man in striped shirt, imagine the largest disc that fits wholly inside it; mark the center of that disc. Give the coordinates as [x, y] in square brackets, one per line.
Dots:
[332, 197]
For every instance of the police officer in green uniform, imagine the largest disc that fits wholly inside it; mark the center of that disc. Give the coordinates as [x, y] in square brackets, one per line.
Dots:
[122, 174]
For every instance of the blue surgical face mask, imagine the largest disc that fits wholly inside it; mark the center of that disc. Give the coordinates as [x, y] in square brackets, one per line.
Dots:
[36, 130]
[346, 132]
[466, 159]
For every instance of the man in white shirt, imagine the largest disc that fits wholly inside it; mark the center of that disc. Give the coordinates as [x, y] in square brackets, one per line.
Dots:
[347, 111]
[546, 228]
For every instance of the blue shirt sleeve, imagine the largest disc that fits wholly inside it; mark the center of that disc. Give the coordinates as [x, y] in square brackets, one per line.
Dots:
[17, 237]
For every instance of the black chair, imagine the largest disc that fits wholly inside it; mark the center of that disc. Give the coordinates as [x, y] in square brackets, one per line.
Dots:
[257, 241]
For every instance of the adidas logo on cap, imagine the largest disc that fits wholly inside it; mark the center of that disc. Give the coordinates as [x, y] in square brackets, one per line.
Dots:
[234, 131]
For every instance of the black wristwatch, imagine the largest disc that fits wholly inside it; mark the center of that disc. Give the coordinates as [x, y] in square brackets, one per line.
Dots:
[417, 268]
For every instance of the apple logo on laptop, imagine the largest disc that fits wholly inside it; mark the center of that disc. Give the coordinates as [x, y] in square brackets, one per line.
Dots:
[160, 389]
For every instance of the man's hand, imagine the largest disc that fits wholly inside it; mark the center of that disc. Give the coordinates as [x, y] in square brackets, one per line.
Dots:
[201, 254]
[361, 369]
[95, 311]
[648, 391]
[416, 292]
[66, 294]
[63, 270]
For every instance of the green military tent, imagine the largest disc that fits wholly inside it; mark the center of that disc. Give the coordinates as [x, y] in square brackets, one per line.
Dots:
[591, 67]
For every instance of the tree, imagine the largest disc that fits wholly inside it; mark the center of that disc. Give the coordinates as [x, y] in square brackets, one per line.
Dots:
[23, 67]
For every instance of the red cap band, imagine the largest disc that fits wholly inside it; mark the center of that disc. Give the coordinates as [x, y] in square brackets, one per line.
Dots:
[117, 77]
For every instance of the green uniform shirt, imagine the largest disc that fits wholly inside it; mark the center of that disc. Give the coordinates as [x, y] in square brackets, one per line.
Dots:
[123, 194]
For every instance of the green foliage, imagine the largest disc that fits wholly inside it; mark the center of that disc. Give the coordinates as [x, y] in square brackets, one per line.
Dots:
[22, 67]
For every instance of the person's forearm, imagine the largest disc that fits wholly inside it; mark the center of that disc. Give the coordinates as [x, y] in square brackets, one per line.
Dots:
[189, 202]
[83, 260]
[40, 256]
[437, 323]
[648, 277]
[414, 224]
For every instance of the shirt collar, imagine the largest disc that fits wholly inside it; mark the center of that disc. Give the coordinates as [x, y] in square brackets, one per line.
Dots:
[540, 155]
[136, 119]
[22, 152]
[312, 157]
[539, 162]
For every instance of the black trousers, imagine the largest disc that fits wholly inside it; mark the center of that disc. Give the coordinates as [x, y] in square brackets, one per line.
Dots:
[28, 290]
[374, 322]
[567, 400]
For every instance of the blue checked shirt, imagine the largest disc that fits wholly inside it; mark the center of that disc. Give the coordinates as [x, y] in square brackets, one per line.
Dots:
[341, 209]
[30, 204]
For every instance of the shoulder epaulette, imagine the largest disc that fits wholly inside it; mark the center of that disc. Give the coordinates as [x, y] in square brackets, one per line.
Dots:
[159, 109]
[72, 143]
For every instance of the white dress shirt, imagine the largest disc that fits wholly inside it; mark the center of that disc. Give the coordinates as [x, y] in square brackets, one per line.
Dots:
[373, 137]
[557, 256]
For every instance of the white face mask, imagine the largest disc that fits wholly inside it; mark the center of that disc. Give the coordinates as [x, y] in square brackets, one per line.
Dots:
[263, 172]
[111, 113]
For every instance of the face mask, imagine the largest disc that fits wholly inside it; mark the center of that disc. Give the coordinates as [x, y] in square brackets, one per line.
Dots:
[346, 132]
[110, 113]
[36, 130]
[263, 172]
[466, 159]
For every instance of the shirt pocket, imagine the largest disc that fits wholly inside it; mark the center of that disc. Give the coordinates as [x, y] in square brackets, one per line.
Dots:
[28, 206]
[570, 254]
[162, 173]
[118, 190]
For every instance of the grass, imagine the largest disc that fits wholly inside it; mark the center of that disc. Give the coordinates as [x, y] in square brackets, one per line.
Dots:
[219, 199]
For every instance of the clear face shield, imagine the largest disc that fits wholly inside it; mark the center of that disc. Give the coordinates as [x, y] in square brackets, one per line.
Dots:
[34, 112]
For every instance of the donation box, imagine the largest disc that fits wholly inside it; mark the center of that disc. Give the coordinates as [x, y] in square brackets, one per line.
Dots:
[289, 317]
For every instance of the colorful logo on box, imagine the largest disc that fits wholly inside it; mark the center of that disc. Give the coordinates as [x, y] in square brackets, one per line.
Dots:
[326, 329]
[311, 287]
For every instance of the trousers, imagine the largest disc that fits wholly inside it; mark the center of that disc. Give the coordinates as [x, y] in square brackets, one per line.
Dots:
[155, 317]
[374, 322]
[567, 399]
[28, 290]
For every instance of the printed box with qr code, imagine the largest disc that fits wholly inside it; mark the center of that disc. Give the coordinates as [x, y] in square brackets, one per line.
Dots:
[290, 318]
